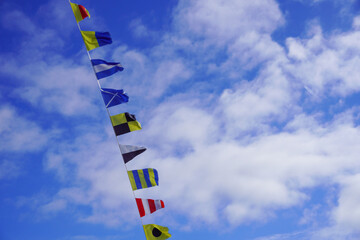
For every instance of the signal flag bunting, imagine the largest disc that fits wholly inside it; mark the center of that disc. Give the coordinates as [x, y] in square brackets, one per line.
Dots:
[80, 12]
[148, 206]
[156, 232]
[124, 123]
[128, 152]
[94, 40]
[113, 97]
[143, 178]
[105, 69]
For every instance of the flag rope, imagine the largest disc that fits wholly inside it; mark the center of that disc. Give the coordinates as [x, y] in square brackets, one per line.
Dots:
[108, 112]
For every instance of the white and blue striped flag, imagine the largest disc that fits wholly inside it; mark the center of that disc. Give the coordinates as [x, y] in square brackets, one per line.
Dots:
[105, 69]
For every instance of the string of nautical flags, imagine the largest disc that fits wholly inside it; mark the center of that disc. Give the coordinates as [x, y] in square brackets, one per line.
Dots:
[123, 123]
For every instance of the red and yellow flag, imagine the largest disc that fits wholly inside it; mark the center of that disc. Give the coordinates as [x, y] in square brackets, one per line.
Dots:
[80, 12]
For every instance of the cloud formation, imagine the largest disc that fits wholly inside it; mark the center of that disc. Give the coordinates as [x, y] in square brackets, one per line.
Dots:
[229, 116]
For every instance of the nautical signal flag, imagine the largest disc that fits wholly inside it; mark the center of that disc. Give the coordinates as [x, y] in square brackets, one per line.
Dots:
[113, 97]
[124, 123]
[79, 11]
[105, 69]
[156, 232]
[95, 39]
[143, 178]
[148, 206]
[129, 152]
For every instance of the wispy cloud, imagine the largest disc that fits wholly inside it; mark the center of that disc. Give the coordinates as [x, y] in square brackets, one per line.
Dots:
[17, 138]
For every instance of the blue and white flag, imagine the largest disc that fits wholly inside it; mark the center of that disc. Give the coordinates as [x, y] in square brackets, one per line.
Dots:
[105, 69]
[113, 97]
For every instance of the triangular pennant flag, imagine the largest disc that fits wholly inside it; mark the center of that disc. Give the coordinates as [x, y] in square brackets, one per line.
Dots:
[143, 178]
[156, 232]
[148, 206]
[129, 152]
[79, 11]
[113, 97]
[105, 69]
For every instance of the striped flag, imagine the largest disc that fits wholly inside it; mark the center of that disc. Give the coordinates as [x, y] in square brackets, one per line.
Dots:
[143, 178]
[129, 152]
[148, 206]
[105, 69]
[124, 123]
[94, 40]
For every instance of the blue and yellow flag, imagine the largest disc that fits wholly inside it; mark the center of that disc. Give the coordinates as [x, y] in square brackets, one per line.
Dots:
[143, 178]
[95, 39]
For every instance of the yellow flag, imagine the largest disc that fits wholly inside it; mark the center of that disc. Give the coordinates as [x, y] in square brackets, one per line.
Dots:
[156, 232]
[79, 11]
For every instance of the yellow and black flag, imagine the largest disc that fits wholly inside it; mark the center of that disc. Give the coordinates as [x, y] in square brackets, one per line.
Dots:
[124, 123]
[156, 232]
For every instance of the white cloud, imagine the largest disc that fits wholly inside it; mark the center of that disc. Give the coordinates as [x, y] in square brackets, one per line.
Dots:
[18, 20]
[233, 182]
[9, 169]
[56, 205]
[252, 106]
[347, 214]
[153, 72]
[139, 29]
[59, 87]
[95, 170]
[327, 65]
[19, 133]
[356, 22]
[49, 80]
[37, 39]
[287, 236]
[221, 21]
[268, 173]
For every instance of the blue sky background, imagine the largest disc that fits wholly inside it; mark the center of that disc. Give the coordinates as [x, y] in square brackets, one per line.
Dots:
[249, 112]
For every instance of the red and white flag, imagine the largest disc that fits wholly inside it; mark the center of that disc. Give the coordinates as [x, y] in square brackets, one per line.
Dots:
[148, 206]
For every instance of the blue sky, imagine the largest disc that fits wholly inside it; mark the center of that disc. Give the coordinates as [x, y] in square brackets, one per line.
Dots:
[249, 112]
